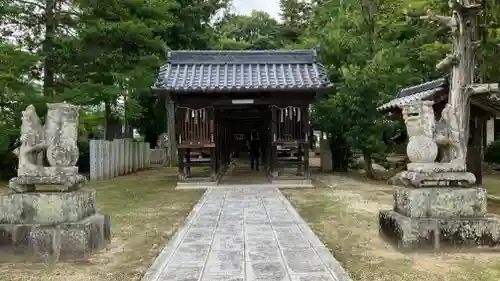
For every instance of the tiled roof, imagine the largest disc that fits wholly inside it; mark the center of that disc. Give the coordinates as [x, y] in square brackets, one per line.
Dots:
[212, 71]
[423, 91]
[427, 91]
[397, 102]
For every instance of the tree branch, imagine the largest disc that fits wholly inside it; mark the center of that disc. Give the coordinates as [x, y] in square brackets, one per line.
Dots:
[450, 60]
[448, 21]
[459, 7]
[476, 89]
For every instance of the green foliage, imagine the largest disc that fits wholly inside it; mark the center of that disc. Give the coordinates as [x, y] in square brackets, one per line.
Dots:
[259, 31]
[492, 154]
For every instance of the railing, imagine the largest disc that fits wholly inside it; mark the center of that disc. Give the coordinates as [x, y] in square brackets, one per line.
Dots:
[196, 126]
[290, 123]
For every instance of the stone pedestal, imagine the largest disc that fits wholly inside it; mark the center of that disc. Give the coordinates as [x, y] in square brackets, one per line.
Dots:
[434, 216]
[52, 226]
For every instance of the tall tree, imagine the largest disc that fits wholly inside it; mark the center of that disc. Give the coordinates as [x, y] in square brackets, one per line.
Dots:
[258, 31]
[368, 47]
[295, 16]
[39, 26]
[118, 50]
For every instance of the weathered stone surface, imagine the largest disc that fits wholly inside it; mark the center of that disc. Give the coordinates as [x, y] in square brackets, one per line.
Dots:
[303, 261]
[47, 207]
[67, 241]
[58, 140]
[421, 149]
[182, 273]
[225, 263]
[65, 182]
[312, 277]
[192, 254]
[433, 179]
[258, 237]
[411, 233]
[441, 202]
[61, 134]
[435, 168]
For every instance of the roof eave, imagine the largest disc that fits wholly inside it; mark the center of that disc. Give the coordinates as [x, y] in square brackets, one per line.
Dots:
[160, 90]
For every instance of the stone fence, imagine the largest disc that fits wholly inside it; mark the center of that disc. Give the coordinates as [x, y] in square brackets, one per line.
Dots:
[109, 159]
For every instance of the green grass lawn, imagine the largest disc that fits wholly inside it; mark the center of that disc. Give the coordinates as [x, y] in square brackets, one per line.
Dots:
[345, 218]
[145, 212]
[492, 184]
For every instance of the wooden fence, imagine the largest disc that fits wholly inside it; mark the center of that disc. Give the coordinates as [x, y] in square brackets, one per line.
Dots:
[109, 159]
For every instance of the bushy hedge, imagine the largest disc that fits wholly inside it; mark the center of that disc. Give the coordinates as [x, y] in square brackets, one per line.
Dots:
[492, 154]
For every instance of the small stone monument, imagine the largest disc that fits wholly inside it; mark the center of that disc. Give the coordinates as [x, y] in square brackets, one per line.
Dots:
[162, 141]
[436, 202]
[60, 222]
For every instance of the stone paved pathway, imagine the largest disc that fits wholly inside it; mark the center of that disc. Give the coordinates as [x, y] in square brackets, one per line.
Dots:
[245, 234]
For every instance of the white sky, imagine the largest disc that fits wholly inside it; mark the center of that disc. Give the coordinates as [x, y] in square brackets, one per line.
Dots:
[246, 6]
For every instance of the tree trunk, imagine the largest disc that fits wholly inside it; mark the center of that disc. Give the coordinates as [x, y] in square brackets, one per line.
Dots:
[47, 46]
[462, 75]
[368, 166]
[108, 123]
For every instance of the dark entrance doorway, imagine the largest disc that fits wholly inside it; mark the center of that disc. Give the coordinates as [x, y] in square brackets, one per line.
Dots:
[239, 121]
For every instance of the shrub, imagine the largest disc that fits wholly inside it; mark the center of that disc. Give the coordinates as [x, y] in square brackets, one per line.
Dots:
[492, 154]
[8, 162]
[84, 159]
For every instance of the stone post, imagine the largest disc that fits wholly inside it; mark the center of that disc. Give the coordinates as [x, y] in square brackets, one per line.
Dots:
[106, 160]
[112, 162]
[94, 159]
[134, 156]
[490, 131]
[100, 152]
[128, 156]
[122, 157]
[116, 156]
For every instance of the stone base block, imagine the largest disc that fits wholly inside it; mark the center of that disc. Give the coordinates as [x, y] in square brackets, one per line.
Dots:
[434, 179]
[47, 208]
[65, 182]
[413, 233]
[441, 202]
[67, 241]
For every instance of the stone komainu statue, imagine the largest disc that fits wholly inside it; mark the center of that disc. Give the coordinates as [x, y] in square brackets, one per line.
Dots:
[421, 123]
[58, 140]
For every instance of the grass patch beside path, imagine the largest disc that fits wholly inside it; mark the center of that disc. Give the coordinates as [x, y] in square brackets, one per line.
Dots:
[145, 212]
[492, 184]
[345, 217]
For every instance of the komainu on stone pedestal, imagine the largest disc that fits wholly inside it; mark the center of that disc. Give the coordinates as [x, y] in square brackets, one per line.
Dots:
[58, 140]
[437, 203]
[56, 225]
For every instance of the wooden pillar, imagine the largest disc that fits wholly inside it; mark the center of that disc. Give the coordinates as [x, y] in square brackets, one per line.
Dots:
[475, 149]
[273, 156]
[308, 138]
[188, 162]
[171, 131]
[182, 177]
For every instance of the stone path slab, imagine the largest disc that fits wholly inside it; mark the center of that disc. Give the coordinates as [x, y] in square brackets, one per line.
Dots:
[245, 234]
